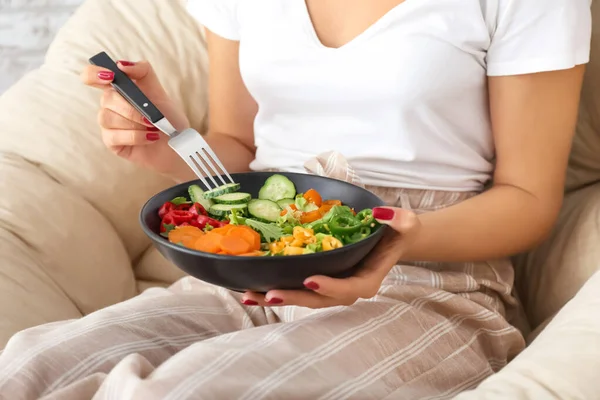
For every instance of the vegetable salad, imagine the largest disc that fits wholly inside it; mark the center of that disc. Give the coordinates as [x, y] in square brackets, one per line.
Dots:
[280, 222]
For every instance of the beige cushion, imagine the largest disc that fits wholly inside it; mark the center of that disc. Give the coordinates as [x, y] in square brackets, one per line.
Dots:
[584, 165]
[68, 211]
[561, 364]
[552, 274]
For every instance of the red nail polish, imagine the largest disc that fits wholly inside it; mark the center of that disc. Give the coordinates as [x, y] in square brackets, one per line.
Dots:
[152, 129]
[383, 214]
[250, 302]
[312, 285]
[153, 137]
[146, 120]
[275, 300]
[126, 63]
[106, 75]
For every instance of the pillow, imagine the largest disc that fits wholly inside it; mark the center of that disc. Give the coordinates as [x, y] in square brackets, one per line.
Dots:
[584, 166]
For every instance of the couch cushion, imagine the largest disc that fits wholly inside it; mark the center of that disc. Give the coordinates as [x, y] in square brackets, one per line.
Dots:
[69, 207]
[28, 294]
[562, 363]
[584, 165]
[552, 274]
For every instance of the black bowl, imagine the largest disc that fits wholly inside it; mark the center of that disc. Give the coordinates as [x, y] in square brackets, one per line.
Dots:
[262, 274]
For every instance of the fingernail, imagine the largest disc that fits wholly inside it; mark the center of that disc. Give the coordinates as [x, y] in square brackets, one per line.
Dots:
[250, 302]
[274, 300]
[106, 75]
[153, 137]
[146, 120]
[152, 129]
[126, 63]
[383, 214]
[312, 285]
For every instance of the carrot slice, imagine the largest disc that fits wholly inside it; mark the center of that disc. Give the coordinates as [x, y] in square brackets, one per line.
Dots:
[332, 203]
[253, 254]
[224, 229]
[209, 243]
[234, 245]
[311, 216]
[248, 234]
[187, 229]
[186, 235]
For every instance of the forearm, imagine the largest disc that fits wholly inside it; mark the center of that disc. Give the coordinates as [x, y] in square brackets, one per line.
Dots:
[500, 222]
[235, 156]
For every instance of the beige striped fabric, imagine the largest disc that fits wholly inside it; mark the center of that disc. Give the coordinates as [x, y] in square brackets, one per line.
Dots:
[432, 331]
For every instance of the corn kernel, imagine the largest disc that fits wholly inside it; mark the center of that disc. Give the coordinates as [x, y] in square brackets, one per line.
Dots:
[287, 239]
[293, 251]
[305, 235]
[297, 243]
[276, 247]
[331, 243]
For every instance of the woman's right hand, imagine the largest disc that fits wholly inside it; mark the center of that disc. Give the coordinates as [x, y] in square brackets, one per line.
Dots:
[125, 131]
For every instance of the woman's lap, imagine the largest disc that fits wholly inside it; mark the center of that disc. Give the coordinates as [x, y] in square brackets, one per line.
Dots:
[199, 341]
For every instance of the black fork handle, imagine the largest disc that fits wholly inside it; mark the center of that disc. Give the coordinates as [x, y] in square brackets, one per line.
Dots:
[127, 88]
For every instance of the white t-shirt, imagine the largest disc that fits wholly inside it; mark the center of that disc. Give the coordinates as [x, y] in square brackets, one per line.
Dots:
[405, 102]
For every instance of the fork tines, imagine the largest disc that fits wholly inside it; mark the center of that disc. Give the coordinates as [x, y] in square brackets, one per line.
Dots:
[206, 159]
[198, 155]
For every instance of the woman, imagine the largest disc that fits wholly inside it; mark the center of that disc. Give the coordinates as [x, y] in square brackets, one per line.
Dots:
[429, 101]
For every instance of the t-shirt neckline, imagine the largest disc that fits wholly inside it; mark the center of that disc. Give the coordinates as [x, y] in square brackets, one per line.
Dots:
[314, 37]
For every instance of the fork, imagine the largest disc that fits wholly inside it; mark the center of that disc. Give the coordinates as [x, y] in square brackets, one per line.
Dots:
[188, 144]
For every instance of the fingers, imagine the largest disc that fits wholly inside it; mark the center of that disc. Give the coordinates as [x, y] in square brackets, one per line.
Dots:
[116, 138]
[255, 299]
[108, 119]
[301, 298]
[97, 76]
[139, 70]
[399, 219]
[346, 290]
[113, 101]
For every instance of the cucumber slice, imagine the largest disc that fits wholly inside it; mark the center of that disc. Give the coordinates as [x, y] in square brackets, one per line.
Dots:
[233, 198]
[222, 210]
[221, 190]
[264, 210]
[197, 196]
[277, 187]
[283, 203]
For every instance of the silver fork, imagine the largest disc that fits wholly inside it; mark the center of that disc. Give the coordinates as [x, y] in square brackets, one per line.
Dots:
[188, 144]
[194, 150]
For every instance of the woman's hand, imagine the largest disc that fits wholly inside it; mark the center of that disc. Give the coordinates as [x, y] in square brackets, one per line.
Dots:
[124, 130]
[328, 292]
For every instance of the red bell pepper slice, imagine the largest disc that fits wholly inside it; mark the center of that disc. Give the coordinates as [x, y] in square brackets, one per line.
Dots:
[164, 209]
[182, 207]
[202, 220]
[166, 222]
[180, 216]
[198, 209]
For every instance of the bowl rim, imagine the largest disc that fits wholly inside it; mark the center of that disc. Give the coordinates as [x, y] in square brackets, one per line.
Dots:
[154, 236]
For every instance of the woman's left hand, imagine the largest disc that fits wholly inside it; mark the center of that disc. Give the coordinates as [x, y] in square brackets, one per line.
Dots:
[329, 292]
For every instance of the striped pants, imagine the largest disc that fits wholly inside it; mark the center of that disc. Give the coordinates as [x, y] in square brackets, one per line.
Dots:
[433, 331]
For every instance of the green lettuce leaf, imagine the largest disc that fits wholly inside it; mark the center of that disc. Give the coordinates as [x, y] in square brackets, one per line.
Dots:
[337, 211]
[168, 228]
[180, 200]
[270, 232]
[313, 248]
